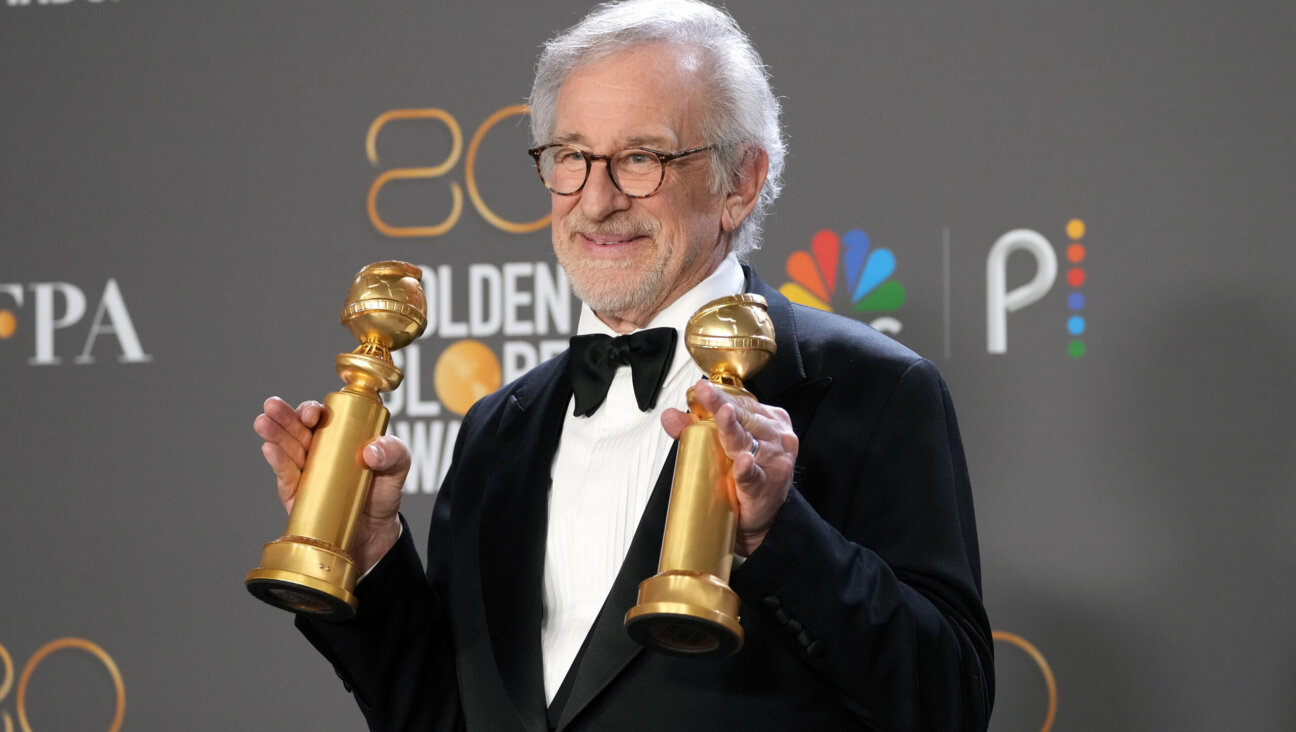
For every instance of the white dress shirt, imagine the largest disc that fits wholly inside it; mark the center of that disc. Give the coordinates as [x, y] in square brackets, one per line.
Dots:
[603, 473]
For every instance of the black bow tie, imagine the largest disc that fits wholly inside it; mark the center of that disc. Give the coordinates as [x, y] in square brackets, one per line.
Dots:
[595, 358]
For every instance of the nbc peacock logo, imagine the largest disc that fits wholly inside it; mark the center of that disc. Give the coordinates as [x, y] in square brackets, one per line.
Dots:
[866, 272]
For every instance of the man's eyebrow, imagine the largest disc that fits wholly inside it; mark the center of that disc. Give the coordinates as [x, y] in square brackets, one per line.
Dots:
[655, 142]
[570, 138]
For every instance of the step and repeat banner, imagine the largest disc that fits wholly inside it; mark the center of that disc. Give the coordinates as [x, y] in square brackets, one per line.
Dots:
[1080, 212]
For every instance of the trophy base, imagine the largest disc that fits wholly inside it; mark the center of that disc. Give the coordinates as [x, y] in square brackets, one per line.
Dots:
[305, 576]
[688, 614]
[297, 593]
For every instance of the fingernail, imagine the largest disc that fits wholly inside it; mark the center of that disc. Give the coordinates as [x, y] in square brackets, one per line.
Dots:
[375, 452]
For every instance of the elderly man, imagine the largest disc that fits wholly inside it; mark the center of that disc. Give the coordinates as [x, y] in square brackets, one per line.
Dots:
[658, 137]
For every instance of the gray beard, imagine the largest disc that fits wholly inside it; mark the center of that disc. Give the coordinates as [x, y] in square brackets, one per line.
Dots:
[588, 285]
[586, 277]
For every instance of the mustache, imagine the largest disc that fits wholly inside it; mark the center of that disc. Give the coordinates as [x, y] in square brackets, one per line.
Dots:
[619, 224]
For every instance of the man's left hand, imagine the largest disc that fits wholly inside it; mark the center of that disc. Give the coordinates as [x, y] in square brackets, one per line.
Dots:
[760, 442]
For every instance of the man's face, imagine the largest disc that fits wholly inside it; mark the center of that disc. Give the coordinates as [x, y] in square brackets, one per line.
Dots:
[628, 258]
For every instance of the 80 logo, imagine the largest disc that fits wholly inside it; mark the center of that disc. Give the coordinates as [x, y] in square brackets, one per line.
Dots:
[24, 680]
[436, 171]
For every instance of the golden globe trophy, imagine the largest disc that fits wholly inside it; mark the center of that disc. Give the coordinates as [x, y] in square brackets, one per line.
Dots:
[309, 569]
[687, 608]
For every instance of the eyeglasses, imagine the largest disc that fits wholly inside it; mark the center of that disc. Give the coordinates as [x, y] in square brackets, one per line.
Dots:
[637, 172]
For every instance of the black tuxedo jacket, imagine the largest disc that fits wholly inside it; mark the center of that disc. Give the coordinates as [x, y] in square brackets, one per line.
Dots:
[862, 607]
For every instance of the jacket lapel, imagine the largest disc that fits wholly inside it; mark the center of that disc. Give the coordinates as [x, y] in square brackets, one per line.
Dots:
[514, 521]
[783, 382]
[608, 649]
[786, 368]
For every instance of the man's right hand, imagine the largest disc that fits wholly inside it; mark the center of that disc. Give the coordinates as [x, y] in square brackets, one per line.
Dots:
[287, 433]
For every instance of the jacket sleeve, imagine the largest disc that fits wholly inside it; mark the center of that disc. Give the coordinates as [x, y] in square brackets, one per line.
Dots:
[872, 565]
[396, 656]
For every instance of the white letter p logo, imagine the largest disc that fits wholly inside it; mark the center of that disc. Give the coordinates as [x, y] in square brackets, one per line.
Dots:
[1000, 302]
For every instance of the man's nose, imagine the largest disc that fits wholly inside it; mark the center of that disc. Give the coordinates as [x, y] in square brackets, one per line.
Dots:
[600, 197]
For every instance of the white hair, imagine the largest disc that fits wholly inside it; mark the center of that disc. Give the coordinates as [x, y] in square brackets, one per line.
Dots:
[742, 109]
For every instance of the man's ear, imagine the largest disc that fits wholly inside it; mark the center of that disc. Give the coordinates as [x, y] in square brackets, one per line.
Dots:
[745, 187]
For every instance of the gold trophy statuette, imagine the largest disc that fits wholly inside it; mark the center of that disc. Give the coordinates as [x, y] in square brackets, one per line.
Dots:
[309, 569]
[687, 608]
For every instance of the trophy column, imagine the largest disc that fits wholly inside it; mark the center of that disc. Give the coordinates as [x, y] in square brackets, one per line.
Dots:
[687, 608]
[309, 569]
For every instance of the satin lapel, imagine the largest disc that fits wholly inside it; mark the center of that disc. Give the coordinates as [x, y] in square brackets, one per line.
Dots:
[608, 649]
[783, 383]
[514, 519]
[786, 368]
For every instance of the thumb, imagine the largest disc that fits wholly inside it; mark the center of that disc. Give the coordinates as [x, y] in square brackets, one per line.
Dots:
[387, 456]
[674, 421]
[390, 460]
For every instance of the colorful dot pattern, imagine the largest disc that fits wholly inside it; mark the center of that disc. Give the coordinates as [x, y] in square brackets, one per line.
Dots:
[1075, 277]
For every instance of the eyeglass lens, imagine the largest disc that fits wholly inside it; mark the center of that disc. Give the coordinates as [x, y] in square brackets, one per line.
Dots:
[565, 168]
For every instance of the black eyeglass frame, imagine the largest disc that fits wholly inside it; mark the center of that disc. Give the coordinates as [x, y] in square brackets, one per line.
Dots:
[590, 158]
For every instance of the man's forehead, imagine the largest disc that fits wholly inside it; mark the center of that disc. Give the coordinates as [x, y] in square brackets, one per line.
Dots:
[642, 96]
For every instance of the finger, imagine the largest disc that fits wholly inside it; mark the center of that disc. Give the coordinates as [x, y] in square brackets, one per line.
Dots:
[291, 419]
[747, 472]
[390, 460]
[738, 428]
[739, 420]
[287, 473]
[723, 409]
[779, 444]
[387, 455]
[674, 421]
[710, 398]
[771, 466]
[275, 434]
[310, 412]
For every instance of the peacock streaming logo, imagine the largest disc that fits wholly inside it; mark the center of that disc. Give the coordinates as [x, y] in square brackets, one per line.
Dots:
[866, 272]
[1001, 300]
[847, 274]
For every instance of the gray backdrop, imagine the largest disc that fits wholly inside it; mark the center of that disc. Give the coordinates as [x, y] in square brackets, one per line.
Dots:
[183, 202]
